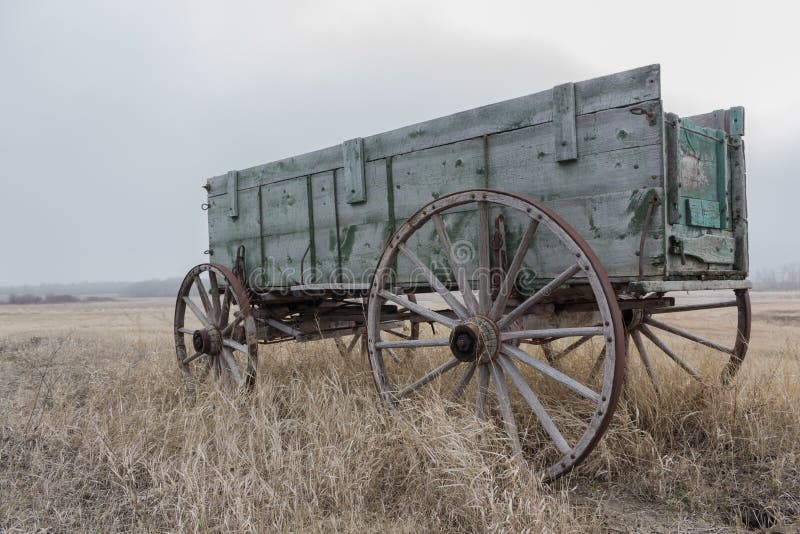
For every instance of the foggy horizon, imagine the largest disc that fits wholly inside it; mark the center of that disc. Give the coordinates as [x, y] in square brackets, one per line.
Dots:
[115, 115]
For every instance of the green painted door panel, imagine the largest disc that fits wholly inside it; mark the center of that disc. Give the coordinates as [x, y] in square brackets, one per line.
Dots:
[703, 180]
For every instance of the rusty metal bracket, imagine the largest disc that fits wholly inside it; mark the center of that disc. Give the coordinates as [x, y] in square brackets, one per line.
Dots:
[676, 247]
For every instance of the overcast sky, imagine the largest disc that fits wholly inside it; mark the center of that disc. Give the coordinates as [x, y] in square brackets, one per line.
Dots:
[113, 114]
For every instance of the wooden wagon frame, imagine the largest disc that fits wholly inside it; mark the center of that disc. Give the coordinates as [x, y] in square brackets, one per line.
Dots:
[519, 231]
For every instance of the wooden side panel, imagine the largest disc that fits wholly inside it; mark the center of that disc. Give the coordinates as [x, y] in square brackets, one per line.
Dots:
[363, 228]
[226, 233]
[603, 194]
[326, 246]
[309, 221]
[286, 233]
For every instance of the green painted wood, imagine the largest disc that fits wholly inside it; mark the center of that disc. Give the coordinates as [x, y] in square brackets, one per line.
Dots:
[364, 227]
[709, 248]
[701, 212]
[702, 169]
[300, 212]
[565, 140]
[736, 121]
[731, 121]
[233, 193]
[226, 233]
[326, 261]
[355, 184]
[285, 229]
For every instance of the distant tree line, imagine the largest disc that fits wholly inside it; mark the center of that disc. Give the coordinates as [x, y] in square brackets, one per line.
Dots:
[783, 278]
[89, 291]
[47, 299]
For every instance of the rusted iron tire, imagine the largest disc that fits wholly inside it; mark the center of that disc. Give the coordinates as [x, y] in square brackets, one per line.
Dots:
[651, 325]
[222, 342]
[482, 331]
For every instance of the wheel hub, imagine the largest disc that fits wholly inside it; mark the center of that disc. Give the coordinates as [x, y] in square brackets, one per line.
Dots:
[207, 341]
[475, 340]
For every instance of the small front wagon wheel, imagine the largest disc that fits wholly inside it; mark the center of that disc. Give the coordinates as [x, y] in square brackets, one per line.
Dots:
[215, 332]
[486, 345]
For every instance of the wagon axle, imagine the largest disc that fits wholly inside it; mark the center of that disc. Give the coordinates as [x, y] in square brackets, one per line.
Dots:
[475, 340]
[207, 341]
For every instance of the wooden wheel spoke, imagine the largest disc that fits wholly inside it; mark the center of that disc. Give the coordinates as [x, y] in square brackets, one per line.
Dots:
[669, 352]
[226, 307]
[499, 305]
[353, 343]
[413, 343]
[484, 267]
[235, 345]
[435, 283]
[554, 284]
[552, 373]
[688, 335]
[340, 346]
[462, 383]
[695, 307]
[429, 376]
[556, 357]
[504, 400]
[640, 348]
[215, 303]
[197, 312]
[230, 361]
[203, 292]
[184, 330]
[483, 389]
[193, 357]
[395, 333]
[418, 309]
[458, 269]
[229, 328]
[598, 363]
[536, 406]
[554, 333]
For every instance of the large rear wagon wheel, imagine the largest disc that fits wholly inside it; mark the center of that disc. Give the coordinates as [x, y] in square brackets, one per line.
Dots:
[553, 417]
[215, 332]
[671, 349]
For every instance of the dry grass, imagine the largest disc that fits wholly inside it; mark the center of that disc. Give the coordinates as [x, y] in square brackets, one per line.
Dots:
[97, 433]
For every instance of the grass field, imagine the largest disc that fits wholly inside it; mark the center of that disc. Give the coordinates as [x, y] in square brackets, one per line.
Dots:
[98, 433]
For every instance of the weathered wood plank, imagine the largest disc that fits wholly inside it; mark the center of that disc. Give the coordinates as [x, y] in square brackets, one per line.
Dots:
[226, 233]
[650, 286]
[355, 184]
[325, 235]
[611, 224]
[364, 227]
[616, 90]
[738, 172]
[233, 193]
[566, 143]
[730, 121]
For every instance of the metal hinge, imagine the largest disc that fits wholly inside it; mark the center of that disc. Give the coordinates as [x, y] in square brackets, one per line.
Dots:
[676, 247]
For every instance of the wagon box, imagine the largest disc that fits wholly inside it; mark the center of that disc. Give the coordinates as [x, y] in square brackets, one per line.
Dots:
[536, 236]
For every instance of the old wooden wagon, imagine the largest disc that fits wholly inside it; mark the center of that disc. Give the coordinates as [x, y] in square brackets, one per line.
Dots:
[501, 257]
